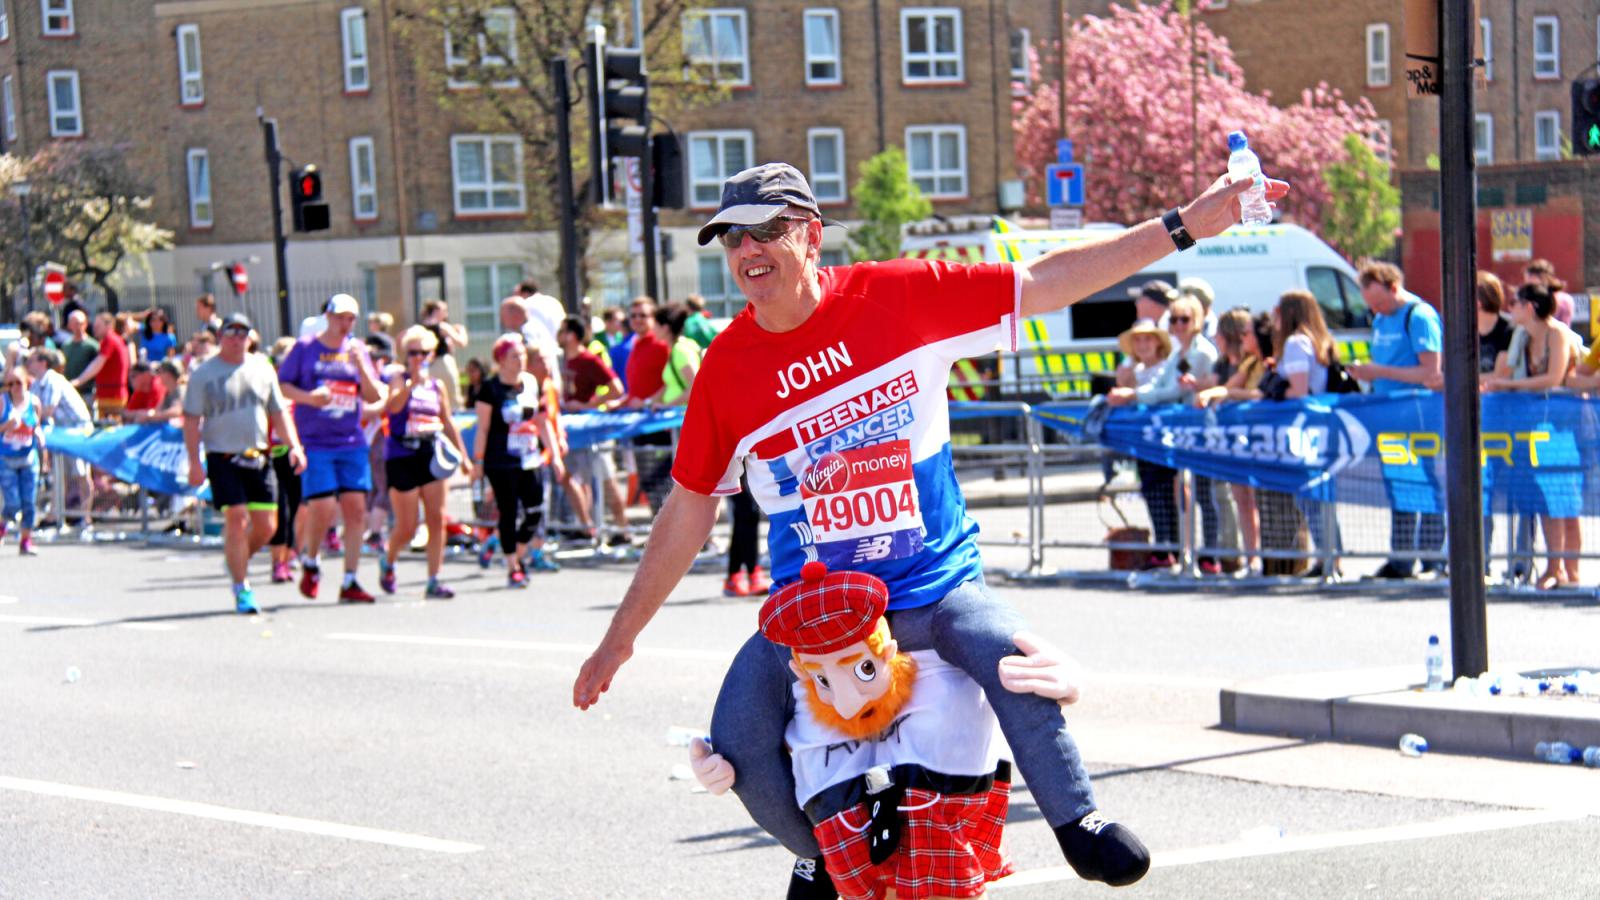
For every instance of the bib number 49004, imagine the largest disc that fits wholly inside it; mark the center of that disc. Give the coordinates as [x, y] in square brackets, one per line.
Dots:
[883, 505]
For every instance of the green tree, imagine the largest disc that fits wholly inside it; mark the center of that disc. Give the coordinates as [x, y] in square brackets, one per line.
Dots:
[887, 199]
[87, 209]
[498, 78]
[1363, 209]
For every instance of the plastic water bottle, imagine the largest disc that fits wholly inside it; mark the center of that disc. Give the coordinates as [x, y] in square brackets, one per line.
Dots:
[1413, 745]
[1243, 163]
[1559, 752]
[1591, 757]
[1435, 664]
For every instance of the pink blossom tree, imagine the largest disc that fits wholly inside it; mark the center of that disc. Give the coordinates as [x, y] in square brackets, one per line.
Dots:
[1128, 110]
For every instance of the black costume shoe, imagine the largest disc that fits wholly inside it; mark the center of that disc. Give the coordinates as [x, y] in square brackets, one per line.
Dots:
[1099, 849]
[808, 880]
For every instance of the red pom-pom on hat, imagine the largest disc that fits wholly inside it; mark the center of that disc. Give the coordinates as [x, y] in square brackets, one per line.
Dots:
[815, 570]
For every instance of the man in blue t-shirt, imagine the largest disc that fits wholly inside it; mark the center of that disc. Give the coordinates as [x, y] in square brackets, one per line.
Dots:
[1406, 340]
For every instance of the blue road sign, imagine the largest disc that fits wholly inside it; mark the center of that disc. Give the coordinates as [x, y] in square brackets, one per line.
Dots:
[1063, 151]
[1064, 184]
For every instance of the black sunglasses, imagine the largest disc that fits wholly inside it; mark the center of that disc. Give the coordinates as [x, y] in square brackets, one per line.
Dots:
[236, 331]
[764, 233]
[416, 352]
[1179, 320]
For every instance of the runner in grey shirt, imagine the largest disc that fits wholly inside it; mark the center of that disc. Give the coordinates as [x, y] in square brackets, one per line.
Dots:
[229, 400]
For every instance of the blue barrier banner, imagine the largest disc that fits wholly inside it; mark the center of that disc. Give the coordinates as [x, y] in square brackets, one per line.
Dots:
[1378, 450]
[151, 456]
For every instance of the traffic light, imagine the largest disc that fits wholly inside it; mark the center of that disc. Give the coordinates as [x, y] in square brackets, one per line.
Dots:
[619, 111]
[1586, 117]
[666, 155]
[305, 200]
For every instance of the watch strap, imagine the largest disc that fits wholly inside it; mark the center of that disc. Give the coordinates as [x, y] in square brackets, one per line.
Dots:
[1173, 223]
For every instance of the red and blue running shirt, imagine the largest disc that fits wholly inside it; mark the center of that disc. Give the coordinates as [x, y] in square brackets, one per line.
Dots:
[842, 424]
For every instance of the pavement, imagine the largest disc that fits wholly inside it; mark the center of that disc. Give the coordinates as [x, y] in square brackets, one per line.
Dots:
[426, 749]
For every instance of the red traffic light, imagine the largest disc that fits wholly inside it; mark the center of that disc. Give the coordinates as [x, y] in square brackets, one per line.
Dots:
[307, 184]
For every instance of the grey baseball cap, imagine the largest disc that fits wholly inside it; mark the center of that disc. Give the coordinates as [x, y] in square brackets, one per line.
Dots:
[759, 194]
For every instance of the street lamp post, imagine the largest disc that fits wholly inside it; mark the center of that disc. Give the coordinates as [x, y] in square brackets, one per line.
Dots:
[20, 189]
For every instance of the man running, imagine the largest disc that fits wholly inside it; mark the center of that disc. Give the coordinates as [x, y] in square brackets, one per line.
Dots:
[328, 376]
[827, 391]
[230, 398]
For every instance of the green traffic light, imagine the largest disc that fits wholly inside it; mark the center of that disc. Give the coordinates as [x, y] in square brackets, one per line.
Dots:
[1594, 136]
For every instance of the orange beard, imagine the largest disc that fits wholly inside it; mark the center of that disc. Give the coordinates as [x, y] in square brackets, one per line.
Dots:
[876, 715]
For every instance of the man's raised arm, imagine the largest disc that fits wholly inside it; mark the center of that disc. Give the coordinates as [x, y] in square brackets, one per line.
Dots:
[1065, 276]
[676, 537]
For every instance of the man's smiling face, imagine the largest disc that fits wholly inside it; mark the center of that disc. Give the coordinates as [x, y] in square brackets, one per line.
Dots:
[775, 270]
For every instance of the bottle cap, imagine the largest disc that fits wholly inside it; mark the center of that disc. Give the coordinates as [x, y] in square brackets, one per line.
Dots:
[1433, 640]
[1237, 141]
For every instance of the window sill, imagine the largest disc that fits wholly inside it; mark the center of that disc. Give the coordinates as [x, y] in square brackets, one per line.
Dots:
[1538, 77]
[825, 85]
[934, 83]
[1379, 87]
[364, 221]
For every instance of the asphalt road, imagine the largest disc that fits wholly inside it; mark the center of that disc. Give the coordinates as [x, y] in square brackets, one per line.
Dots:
[411, 750]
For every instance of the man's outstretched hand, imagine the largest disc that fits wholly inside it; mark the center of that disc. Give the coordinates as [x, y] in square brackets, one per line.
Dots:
[595, 677]
[1043, 669]
[714, 773]
[1214, 211]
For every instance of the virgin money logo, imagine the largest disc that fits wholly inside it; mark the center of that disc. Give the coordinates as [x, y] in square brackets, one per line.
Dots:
[828, 475]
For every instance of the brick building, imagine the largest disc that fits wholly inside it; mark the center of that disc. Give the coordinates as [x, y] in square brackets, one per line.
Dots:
[409, 177]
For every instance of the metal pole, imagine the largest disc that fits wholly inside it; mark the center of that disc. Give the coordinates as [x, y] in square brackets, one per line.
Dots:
[1189, 512]
[280, 242]
[569, 225]
[647, 210]
[1458, 231]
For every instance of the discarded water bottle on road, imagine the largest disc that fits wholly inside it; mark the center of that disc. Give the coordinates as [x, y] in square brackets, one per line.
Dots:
[1558, 752]
[73, 675]
[1591, 757]
[1435, 664]
[1243, 163]
[1413, 745]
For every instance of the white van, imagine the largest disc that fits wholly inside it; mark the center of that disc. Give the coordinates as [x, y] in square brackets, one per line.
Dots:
[1247, 267]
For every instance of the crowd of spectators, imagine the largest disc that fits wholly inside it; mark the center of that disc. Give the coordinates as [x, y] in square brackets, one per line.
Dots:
[1179, 352]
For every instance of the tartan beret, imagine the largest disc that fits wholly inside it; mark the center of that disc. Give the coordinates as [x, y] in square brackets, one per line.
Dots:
[824, 612]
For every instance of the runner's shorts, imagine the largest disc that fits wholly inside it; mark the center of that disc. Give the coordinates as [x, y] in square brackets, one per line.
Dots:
[340, 471]
[412, 471]
[239, 478]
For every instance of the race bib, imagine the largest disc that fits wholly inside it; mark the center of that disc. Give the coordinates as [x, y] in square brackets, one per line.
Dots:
[344, 401]
[21, 439]
[523, 440]
[862, 505]
[423, 425]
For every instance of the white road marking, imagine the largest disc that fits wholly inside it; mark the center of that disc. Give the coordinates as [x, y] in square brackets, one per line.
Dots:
[536, 646]
[238, 816]
[1470, 824]
[60, 620]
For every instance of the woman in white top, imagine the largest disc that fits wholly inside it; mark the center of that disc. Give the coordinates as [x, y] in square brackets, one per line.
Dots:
[1543, 353]
[1305, 349]
[1154, 380]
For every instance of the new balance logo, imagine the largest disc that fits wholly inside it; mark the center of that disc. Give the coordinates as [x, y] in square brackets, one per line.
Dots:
[805, 868]
[1093, 822]
[874, 548]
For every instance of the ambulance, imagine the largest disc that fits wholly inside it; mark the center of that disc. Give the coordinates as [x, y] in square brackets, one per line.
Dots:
[1058, 352]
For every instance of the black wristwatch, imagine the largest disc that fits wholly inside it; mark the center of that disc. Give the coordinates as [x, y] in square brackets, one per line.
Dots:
[1173, 223]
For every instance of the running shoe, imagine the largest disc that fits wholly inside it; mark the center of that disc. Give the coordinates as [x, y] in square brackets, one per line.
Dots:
[737, 585]
[517, 579]
[25, 547]
[281, 573]
[352, 593]
[438, 591]
[487, 551]
[758, 582]
[310, 580]
[385, 575]
[541, 563]
[244, 600]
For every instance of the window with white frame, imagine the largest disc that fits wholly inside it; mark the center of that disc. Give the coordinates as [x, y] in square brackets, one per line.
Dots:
[826, 148]
[930, 44]
[1486, 47]
[833, 256]
[488, 52]
[191, 82]
[353, 34]
[713, 156]
[1383, 137]
[8, 98]
[1546, 135]
[5, 22]
[487, 174]
[1021, 41]
[198, 163]
[717, 42]
[937, 157]
[363, 179]
[56, 17]
[822, 46]
[1546, 47]
[484, 285]
[1483, 139]
[716, 284]
[1378, 55]
[66, 108]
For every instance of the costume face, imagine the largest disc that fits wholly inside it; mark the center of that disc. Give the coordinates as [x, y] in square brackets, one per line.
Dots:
[854, 690]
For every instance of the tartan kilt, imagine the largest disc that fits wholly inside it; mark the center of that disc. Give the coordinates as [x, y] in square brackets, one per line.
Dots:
[950, 846]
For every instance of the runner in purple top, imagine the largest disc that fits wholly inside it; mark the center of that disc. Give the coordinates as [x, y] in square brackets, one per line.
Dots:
[419, 418]
[328, 377]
